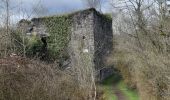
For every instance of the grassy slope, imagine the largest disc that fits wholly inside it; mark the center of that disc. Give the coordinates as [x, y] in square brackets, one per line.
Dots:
[109, 91]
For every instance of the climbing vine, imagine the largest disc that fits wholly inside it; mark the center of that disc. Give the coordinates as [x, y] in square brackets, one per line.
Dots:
[59, 30]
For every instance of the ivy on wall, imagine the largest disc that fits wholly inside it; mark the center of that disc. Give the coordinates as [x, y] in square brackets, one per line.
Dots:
[58, 28]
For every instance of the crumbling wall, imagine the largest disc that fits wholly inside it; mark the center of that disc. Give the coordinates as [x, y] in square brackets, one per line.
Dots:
[84, 36]
[58, 28]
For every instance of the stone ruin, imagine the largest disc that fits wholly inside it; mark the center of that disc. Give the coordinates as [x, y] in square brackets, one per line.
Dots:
[90, 34]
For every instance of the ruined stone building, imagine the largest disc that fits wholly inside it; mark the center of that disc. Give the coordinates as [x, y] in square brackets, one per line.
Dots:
[73, 36]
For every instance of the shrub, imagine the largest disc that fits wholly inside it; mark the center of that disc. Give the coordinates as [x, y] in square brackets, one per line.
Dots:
[146, 69]
[25, 79]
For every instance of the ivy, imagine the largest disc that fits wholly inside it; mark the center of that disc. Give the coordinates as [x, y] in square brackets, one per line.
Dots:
[58, 28]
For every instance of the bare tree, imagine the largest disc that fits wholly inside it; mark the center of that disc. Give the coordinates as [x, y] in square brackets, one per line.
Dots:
[39, 9]
[142, 47]
[5, 8]
[25, 14]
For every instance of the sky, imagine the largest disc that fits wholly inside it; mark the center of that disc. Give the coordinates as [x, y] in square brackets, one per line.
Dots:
[57, 6]
[54, 7]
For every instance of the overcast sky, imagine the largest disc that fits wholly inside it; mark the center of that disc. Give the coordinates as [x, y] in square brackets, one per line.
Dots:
[57, 6]
[64, 5]
[54, 7]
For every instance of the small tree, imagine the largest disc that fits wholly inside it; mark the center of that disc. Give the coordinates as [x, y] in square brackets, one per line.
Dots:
[6, 35]
[144, 52]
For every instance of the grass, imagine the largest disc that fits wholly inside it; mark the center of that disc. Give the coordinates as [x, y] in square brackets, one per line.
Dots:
[116, 80]
[108, 88]
[107, 85]
[108, 93]
[129, 93]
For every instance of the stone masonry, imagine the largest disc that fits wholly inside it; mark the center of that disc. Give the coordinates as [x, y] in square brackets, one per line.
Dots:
[92, 31]
[91, 34]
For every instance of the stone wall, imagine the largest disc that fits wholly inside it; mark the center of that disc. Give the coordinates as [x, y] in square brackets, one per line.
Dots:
[82, 37]
[103, 43]
[92, 35]
[103, 39]
[90, 40]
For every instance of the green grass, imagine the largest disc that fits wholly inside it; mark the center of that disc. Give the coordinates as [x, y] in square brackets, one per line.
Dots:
[107, 85]
[108, 89]
[129, 93]
[108, 93]
[116, 80]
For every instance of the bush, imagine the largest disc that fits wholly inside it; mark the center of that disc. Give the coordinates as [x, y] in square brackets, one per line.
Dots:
[146, 69]
[24, 79]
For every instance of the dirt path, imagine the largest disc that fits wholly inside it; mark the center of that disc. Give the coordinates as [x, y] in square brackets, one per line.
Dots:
[115, 89]
[118, 93]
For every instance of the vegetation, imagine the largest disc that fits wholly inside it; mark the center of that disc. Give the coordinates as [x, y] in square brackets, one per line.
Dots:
[107, 86]
[141, 52]
[24, 79]
[58, 28]
[129, 93]
[114, 83]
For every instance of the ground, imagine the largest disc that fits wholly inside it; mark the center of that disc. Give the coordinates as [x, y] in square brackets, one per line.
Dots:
[115, 89]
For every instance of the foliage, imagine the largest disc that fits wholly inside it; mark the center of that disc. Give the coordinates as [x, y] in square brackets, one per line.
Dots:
[114, 82]
[148, 69]
[107, 86]
[143, 49]
[129, 93]
[33, 46]
[108, 16]
[25, 79]
[58, 28]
